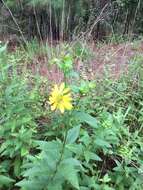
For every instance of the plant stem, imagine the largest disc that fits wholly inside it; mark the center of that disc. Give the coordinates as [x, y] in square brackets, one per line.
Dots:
[61, 156]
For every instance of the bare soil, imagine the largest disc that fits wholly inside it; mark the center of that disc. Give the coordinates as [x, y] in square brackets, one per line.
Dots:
[114, 57]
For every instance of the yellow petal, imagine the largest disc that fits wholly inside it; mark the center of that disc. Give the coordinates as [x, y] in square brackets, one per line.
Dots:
[67, 98]
[55, 93]
[61, 88]
[55, 90]
[51, 100]
[61, 108]
[68, 105]
[60, 98]
[53, 107]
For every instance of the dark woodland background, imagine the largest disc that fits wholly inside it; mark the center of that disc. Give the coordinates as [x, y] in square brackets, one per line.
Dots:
[66, 19]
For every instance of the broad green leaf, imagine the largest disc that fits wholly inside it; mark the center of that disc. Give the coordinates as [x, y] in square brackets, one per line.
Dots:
[55, 187]
[87, 118]
[91, 156]
[75, 148]
[29, 185]
[72, 161]
[4, 180]
[73, 134]
[84, 188]
[102, 143]
[24, 151]
[70, 174]
[106, 179]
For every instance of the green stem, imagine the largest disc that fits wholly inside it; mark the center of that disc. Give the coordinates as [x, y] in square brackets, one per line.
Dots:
[65, 78]
[61, 156]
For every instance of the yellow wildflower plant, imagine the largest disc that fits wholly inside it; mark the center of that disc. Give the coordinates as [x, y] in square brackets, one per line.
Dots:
[60, 98]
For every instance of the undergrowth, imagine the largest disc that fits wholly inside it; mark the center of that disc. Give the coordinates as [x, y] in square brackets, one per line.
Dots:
[94, 145]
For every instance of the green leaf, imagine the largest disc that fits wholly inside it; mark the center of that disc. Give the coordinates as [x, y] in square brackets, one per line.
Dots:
[85, 117]
[73, 134]
[17, 165]
[84, 188]
[54, 187]
[70, 174]
[75, 148]
[102, 143]
[29, 185]
[3, 48]
[72, 161]
[91, 156]
[106, 179]
[24, 151]
[74, 74]
[4, 180]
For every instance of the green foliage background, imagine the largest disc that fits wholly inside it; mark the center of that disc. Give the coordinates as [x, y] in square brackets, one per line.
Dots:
[97, 145]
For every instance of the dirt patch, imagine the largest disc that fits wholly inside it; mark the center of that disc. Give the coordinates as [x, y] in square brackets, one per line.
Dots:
[113, 58]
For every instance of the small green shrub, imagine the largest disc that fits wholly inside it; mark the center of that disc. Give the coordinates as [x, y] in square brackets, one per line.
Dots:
[18, 112]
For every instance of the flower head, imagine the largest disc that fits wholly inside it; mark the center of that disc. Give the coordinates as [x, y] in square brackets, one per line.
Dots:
[60, 98]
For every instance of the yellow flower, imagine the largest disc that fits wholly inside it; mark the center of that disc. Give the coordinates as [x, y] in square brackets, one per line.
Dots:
[60, 98]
